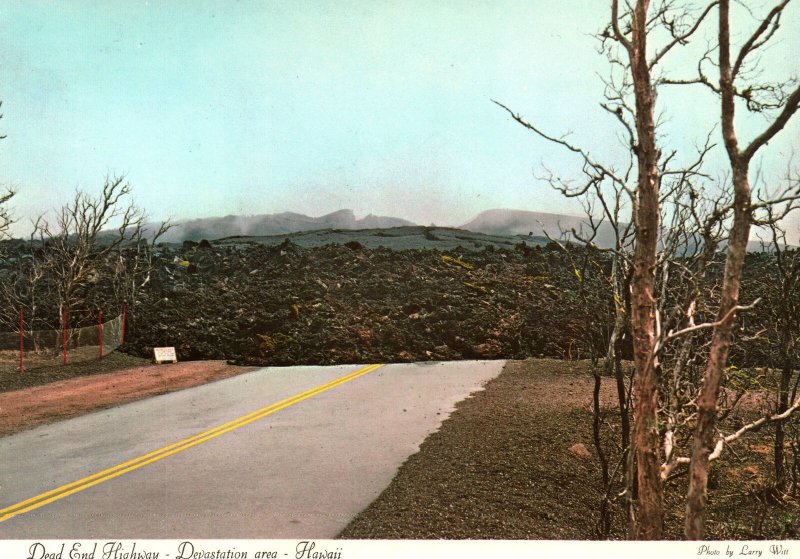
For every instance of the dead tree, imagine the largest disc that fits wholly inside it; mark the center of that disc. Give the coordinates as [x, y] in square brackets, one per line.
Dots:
[785, 100]
[782, 302]
[691, 238]
[632, 102]
[613, 325]
[134, 262]
[5, 215]
[603, 275]
[77, 246]
[25, 288]
[96, 251]
[631, 30]
[5, 225]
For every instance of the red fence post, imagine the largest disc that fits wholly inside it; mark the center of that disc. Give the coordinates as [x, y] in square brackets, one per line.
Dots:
[100, 330]
[21, 341]
[122, 329]
[64, 335]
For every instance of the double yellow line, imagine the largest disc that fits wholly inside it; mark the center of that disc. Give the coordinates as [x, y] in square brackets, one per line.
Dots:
[180, 446]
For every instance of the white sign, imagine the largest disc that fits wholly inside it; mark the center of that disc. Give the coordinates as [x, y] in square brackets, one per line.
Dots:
[164, 354]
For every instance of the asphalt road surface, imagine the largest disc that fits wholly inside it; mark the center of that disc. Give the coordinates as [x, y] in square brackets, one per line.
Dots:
[279, 453]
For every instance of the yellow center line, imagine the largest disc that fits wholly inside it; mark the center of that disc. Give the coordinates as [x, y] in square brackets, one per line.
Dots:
[174, 448]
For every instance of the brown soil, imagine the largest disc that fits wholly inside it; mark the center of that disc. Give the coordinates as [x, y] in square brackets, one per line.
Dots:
[96, 389]
[516, 461]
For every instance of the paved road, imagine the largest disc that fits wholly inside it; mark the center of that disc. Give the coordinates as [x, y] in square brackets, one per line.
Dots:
[319, 444]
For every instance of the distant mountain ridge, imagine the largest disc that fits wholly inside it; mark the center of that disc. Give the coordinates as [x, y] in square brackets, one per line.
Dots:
[502, 222]
[274, 224]
[538, 224]
[506, 222]
[496, 222]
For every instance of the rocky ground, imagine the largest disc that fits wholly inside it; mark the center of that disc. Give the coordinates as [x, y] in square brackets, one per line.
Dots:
[284, 304]
[329, 297]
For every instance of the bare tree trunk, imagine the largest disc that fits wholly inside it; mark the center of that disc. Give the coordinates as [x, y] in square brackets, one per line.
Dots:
[613, 368]
[795, 465]
[783, 405]
[737, 244]
[628, 470]
[644, 485]
[650, 511]
[707, 400]
[604, 525]
[650, 504]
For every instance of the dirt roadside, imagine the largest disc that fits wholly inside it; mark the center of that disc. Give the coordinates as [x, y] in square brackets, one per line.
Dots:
[46, 403]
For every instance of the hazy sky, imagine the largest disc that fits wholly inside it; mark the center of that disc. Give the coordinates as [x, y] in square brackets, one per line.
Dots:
[221, 107]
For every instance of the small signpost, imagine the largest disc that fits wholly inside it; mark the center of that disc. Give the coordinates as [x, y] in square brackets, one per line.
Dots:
[165, 355]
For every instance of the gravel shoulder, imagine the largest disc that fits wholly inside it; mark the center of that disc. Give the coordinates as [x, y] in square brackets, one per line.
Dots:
[500, 466]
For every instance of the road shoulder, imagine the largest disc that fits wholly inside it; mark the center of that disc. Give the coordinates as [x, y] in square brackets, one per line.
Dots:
[40, 405]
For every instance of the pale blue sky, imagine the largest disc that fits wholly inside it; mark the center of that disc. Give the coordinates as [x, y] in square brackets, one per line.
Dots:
[221, 107]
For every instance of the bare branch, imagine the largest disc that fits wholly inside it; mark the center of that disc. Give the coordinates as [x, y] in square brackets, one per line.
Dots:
[717, 452]
[5, 216]
[706, 325]
[615, 25]
[684, 37]
[770, 25]
[789, 109]
[600, 170]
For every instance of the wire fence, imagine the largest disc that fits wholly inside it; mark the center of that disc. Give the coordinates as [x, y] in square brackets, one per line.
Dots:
[25, 350]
